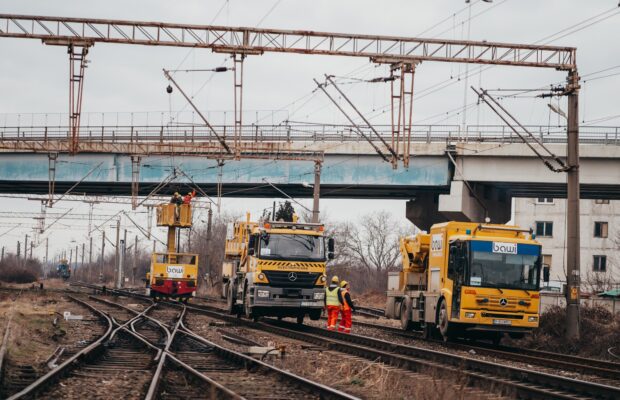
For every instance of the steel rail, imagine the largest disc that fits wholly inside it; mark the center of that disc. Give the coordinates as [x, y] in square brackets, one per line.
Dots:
[589, 366]
[525, 383]
[247, 41]
[72, 361]
[325, 391]
[7, 332]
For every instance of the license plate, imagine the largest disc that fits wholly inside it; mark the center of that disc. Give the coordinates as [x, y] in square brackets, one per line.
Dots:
[308, 303]
[502, 322]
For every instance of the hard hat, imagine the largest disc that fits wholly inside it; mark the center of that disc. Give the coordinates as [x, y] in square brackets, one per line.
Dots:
[176, 194]
[189, 193]
[335, 279]
[344, 284]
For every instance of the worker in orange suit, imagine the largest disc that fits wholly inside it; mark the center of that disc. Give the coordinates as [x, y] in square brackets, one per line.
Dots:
[347, 308]
[187, 199]
[332, 303]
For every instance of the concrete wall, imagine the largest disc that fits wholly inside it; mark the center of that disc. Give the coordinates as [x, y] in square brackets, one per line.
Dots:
[528, 211]
[548, 300]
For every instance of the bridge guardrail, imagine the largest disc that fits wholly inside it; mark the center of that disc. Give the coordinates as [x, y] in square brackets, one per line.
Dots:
[306, 132]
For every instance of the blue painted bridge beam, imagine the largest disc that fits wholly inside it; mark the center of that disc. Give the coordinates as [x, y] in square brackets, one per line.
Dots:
[342, 176]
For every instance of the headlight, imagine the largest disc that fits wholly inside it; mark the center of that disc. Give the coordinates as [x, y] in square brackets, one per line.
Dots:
[262, 293]
[261, 276]
[532, 319]
[319, 295]
[323, 278]
[470, 315]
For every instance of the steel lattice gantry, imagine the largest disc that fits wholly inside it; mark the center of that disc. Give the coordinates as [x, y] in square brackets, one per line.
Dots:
[245, 40]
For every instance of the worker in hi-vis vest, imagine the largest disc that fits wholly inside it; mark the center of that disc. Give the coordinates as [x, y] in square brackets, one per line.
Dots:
[347, 308]
[333, 301]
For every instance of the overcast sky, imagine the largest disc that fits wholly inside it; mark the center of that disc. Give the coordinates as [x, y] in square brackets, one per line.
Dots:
[126, 81]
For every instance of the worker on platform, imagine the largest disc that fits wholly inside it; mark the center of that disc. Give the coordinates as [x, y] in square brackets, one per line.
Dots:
[177, 200]
[187, 199]
[333, 301]
[347, 308]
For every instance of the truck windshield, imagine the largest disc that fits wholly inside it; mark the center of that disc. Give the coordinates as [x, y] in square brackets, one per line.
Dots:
[510, 271]
[292, 247]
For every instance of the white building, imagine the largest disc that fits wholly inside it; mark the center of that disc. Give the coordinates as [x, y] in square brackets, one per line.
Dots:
[600, 238]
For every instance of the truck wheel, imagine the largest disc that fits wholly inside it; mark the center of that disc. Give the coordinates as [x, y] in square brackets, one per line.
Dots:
[444, 324]
[300, 319]
[405, 322]
[315, 315]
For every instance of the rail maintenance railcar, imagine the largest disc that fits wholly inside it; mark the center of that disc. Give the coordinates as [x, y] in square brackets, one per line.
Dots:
[468, 279]
[173, 274]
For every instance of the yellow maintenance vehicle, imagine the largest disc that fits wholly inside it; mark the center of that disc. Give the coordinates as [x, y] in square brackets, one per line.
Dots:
[173, 274]
[468, 279]
[276, 269]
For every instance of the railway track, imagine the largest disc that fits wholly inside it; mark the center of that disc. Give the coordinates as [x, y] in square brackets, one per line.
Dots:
[608, 372]
[509, 380]
[231, 374]
[513, 381]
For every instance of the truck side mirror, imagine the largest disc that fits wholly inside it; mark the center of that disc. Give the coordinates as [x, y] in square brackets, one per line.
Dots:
[251, 245]
[330, 248]
[546, 273]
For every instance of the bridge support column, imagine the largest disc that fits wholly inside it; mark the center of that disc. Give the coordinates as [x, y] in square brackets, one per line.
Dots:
[423, 211]
[475, 203]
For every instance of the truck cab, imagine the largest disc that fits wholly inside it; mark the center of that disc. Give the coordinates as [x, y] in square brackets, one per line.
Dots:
[276, 269]
[478, 280]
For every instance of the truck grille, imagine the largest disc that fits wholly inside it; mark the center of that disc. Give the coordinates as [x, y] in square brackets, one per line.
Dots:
[300, 280]
[509, 316]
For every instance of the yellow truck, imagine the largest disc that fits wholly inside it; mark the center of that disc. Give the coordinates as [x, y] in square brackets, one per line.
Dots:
[173, 274]
[276, 269]
[468, 279]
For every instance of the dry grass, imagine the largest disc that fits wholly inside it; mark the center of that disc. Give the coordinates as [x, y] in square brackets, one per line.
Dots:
[599, 331]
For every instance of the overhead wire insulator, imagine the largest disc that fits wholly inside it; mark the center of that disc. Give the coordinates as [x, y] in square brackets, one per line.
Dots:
[169, 89]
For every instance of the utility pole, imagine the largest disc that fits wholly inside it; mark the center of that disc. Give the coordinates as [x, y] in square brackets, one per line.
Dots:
[31, 248]
[25, 249]
[2, 257]
[116, 256]
[47, 243]
[209, 221]
[135, 260]
[90, 259]
[83, 246]
[70, 256]
[18, 249]
[121, 264]
[572, 209]
[102, 256]
[76, 257]
[317, 192]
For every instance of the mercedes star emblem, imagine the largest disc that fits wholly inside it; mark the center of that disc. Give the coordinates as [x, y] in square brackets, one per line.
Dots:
[502, 302]
[292, 276]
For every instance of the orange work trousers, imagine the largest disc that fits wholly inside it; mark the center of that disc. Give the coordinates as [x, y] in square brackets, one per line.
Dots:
[345, 322]
[332, 317]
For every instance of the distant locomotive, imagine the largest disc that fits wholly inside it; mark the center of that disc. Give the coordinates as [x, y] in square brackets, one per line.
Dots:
[63, 270]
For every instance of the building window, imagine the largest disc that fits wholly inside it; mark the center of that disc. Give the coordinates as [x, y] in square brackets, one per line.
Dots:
[601, 201]
[600, 264]
[600, 229]
[546, 260]
[544, 228]
[544, 200]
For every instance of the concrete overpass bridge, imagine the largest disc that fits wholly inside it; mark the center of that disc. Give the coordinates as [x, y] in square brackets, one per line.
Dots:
[453, 173]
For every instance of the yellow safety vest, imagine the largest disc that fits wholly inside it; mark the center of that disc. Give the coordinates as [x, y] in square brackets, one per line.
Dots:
[331, 297]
